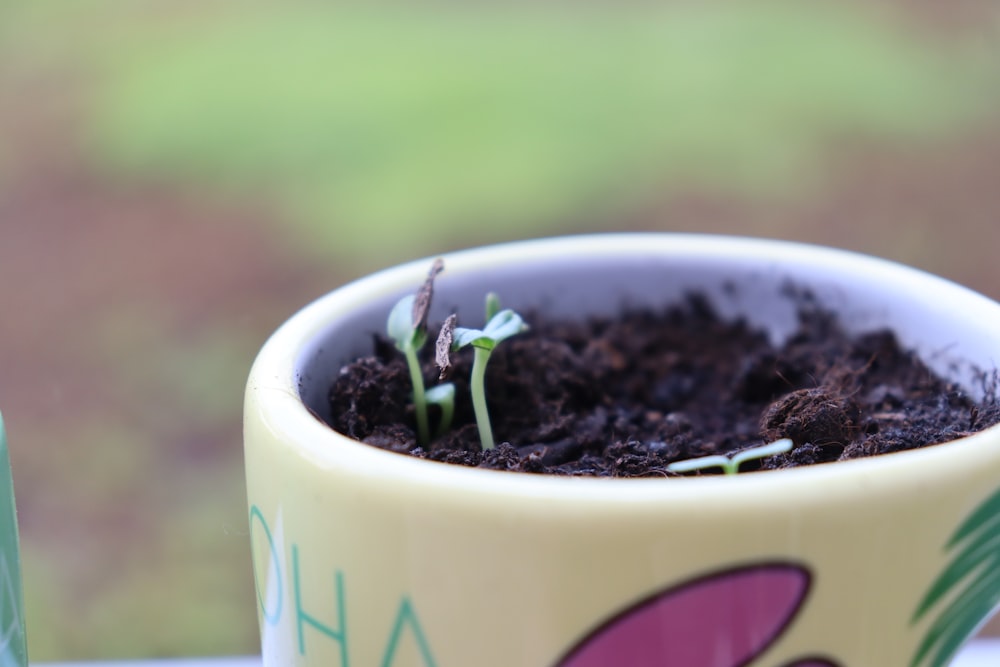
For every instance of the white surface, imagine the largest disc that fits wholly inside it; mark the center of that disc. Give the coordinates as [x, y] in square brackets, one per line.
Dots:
[981, 653]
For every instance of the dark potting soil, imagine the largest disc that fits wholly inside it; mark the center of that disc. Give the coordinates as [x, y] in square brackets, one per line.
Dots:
[626, 397]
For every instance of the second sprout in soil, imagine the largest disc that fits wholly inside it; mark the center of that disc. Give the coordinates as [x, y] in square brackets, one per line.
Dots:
[500, 325]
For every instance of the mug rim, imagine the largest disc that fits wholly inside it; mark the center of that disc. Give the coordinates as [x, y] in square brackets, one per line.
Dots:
[273, 389]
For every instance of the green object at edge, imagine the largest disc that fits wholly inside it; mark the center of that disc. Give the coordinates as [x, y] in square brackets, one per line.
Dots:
[13, 649]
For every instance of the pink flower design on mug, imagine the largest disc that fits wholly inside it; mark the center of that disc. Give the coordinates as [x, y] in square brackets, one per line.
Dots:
[726, 619]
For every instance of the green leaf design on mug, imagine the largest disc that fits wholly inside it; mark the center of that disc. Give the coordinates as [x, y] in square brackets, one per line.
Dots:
[13, 652]
[970, 583]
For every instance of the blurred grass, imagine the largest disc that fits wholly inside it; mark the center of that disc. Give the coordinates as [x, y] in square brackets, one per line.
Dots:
[382, 131]
[220, 352]
[151, 506]
[179, 582]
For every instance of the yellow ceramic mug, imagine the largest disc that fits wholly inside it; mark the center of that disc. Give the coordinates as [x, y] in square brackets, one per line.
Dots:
[365, 558]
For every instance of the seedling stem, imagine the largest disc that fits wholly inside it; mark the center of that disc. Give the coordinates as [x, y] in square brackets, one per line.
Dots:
[478, 383]
[419, 396]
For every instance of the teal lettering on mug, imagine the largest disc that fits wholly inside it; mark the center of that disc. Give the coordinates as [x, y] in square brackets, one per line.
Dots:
[407, 617]
[338, 634]
[333, 626]
[270, 616]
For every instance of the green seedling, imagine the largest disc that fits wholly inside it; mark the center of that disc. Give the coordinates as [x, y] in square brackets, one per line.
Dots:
[731, 466]
[407, 326]
[443, 396]
[492, 305]
[500, 325]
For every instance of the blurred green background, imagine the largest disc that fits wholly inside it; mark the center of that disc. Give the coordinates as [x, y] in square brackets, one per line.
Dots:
[178, 177]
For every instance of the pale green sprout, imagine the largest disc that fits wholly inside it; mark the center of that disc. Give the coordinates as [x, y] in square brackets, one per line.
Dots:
[407, 325]
[409, 339]
[731, 466]
[500, 325]
[443, 396]
[492, 305]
